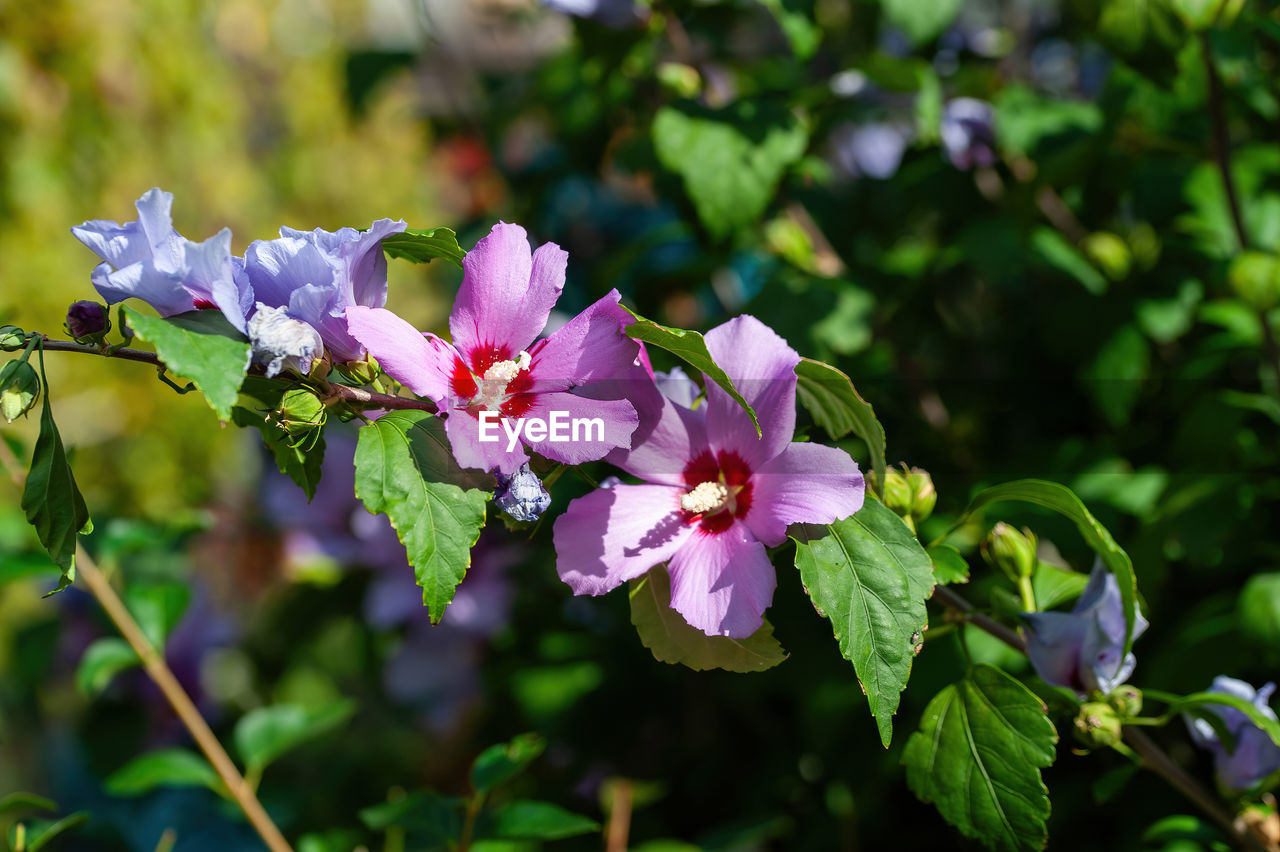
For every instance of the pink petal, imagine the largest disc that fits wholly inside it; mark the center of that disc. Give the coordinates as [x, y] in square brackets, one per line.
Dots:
[617, 534]
[675, 437]
[469, 451]
[618, 417]
[506, 295]
[423, 364]
[722, 583]
[762, 367]
[589, 348]
[806, 483]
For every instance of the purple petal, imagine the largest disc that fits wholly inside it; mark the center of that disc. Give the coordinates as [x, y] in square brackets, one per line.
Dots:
[506, 295]
[469, 451]
[422, 364]
[678, 436]
[1055, 641]
[617, 422]
[617, 534]
[276, 268]
[142, 281]
[762, 367]
[209, 277]
[591, 347]
[676, 386]
[807, 483]
[364, 280]
[722, 583]
[118, 245]
[154, 216]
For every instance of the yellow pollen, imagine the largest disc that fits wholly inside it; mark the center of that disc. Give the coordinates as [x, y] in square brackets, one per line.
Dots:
[706, 497]
[492, 387]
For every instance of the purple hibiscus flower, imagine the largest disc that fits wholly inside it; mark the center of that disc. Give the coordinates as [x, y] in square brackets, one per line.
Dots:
[494, 376]
[1083, 650]
[302, 284]
[715, 495]
[968, 133]
[147, 259]
[1255, 756]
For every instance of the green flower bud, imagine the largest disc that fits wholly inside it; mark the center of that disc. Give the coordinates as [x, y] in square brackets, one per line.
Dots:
[679, 79]
[1127, 700]
[910, 494]
[1097, 725]
[12, 337]
[1255, 278]
[897, 492]
[1011, 550]
[19, 389]
[923, 495]
[1109, 253]
[301, 415]
[361, 372]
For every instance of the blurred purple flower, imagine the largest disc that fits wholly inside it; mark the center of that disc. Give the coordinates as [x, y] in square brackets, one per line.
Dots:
[869, 150]
[1255, 756]
[968, 133]
[611, 13]
[147, 259]
[1083, 650]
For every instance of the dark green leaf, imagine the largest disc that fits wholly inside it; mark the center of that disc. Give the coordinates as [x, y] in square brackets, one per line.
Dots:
[1208, 700]
[41, 832]
[298, 450]
[437, 817]
[830, 397]
[52, 501]
[977, 756]
[405, 470]
[25, 803]
[503, 761]
[102, 661]
[948, 565]
[1053, 249]
[263, 735]
[171, 767]
[201, 346]
[527, 820]
[158, 607]
[870, 576]
[1052, 585]
[1259, 608]
[731, 160]
[334, 840]
[665, 632]
[1062, 500]
[423, 246]
[692, 347]
[922, 20]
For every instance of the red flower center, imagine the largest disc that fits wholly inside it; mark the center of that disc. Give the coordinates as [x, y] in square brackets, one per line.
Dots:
[728, 470]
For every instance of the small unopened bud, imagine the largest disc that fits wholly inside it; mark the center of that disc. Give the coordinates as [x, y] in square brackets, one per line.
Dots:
[87, 321]
[301, 411]
[1255, 278]
[360, 372]
[1127, 699]
[521, 495]
[1109, 253]
[19, 389]
[909, 493]
[12, 337]
[1097, 725]
[1012, 551]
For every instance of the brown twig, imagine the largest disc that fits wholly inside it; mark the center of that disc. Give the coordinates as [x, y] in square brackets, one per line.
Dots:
[1153, 757]
[619, 827]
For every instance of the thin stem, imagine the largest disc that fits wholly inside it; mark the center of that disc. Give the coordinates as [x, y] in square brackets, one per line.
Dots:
[159, 672]
[469, 826]
[619, 827]
[1221, 140]
[1152, 756]
[1028, 594]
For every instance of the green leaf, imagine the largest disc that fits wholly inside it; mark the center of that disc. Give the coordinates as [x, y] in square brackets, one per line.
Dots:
[25, 803]
[263, 735]
[527, 820]
[170, 767]
[298, 448]
[102, 661]
[201, 346]
[499, 763]
[41, 832]
[1053, 249]
[51, 498]
[423, 246]
[948, 565]
[1204, 700]
[870, 576]
[731, 160]
[437, 817]
[1052, 585]
[405, 470]
[977, 757]
[1116, 375]
[1259, 608]
[692, 348]
[802, 33]
[1062, 500]
[333, 840]
[922, 20]
[158, 607]
[830, 397]
[665, 632]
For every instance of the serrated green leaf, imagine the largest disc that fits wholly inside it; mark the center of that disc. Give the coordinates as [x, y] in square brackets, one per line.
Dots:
[691, 347]
[423, 246]
[41, 832]
[157, 607]
[977, 757]
[51, 499]
[101, 662]
[830, 398]
[201, 346]
[948, 565]
[170, 767]
[25, 803]
[528, 820]
[665, 632]
[922, 20]
[730, 160]
[869, 575]
[500, 762]
[405, 470]
[263, 735]
[1063, 500]
[298, 453]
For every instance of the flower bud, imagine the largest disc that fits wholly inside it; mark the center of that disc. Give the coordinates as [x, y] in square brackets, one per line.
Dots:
[1011, 550]
[1097, 725]
[361, 372]
[909, 493]
[1127, 699]
[521, 495]
[19, 389]
[12, 337]
[1109, 253]
[1255, 278]
[87, 321]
